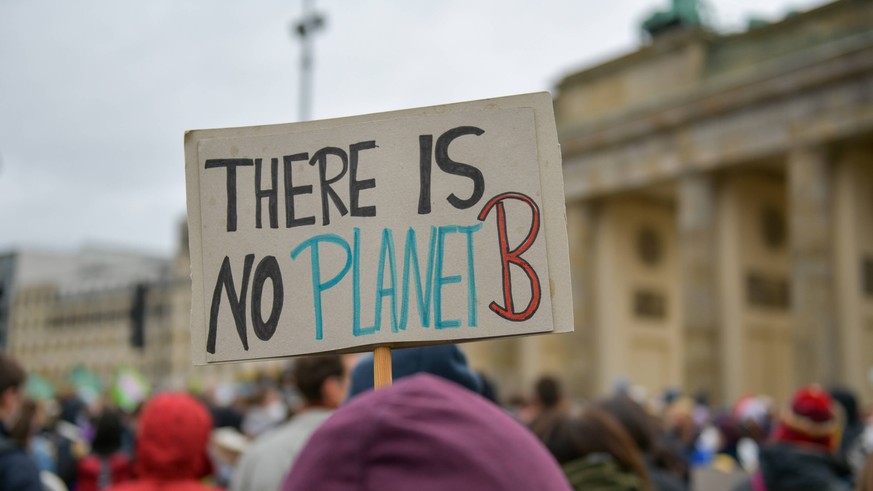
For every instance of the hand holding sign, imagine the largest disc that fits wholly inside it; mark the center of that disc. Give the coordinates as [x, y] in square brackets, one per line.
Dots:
[421, 226]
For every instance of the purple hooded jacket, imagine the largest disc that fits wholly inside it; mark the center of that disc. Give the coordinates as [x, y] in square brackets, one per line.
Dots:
[423, 434]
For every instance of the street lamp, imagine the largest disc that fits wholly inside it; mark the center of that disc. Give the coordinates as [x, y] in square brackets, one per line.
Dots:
[308, 25]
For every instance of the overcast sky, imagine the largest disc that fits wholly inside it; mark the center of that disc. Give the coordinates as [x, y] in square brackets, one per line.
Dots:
[95, 95]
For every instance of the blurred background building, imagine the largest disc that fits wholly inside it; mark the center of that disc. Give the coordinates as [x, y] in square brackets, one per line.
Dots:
[100, 311]
[720, 212]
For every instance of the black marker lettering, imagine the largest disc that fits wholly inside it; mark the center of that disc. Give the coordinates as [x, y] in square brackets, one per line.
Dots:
[267, 268]
[291, 191]
[459, 169]
[356, 186]
[272, 194]
[425, 144]
[320, 158]
[237, 304]
[231, 165]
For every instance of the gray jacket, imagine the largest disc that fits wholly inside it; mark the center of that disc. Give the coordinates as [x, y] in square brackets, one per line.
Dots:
[265, 462]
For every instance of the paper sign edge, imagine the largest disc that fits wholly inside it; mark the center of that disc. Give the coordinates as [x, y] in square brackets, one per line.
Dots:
[196, 317]
[555, 204]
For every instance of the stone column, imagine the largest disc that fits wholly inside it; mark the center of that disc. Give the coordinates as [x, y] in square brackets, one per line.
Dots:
[810, 198]
[702, 363]
[851, 189]
[580, 346]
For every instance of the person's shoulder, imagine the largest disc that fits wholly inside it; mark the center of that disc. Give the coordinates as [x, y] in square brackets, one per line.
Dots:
[309, 419]
[270, 440]
[18, 459]
[19, 472]
[273, 442]
[290, 433]
[277, 448]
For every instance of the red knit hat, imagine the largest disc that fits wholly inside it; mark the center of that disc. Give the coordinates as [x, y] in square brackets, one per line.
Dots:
[811, 419]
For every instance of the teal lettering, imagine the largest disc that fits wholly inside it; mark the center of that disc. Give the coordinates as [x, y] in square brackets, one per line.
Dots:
[440, 280]
[386, 250]
[319, 286]
[423, 294]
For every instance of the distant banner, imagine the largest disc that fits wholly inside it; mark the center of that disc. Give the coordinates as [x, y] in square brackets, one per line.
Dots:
[129, 388]
[430, 225]
[86, 383]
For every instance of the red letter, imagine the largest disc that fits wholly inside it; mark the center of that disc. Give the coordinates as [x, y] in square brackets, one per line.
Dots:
[514, 256]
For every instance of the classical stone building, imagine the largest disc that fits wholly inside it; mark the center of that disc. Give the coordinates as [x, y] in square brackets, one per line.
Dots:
[103, 309]
[720, 212]
[720, 215]
[94, 308]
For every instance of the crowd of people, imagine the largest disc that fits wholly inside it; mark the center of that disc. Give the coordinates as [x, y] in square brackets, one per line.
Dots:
[439, 426]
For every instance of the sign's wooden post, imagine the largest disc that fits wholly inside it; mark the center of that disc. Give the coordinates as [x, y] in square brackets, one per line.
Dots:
[382, 375]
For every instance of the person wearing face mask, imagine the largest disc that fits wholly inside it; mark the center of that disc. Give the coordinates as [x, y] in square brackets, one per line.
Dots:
[18, 472]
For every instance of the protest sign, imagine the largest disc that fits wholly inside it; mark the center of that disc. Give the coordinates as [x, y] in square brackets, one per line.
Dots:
[431, 225]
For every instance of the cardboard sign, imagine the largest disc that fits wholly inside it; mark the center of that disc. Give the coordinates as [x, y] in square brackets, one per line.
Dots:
[421, 226]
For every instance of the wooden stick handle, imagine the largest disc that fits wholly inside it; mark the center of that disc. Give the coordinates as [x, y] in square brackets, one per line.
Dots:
[382, 367]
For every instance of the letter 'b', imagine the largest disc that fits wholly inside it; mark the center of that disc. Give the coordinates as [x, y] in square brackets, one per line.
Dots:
[507, 257]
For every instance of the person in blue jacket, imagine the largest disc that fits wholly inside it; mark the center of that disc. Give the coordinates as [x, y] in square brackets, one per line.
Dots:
[18, 472]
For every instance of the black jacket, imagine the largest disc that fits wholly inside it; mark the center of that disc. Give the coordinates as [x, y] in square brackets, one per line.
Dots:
[787, 467]
[663, 480]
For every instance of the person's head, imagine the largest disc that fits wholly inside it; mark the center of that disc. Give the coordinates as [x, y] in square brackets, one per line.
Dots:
[108, 432]
[322, 380]
[548, 409]
[751, 415]
[634, 418]
[172, 437]
[12, 377]
[423, 433]
[810, 419]
[446, 361]
[592, 439]
[679, 420]
[548, 392]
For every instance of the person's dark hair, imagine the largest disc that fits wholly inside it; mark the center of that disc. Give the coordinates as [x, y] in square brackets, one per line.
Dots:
[310, 373]
[108, 432]
[594, 431]
[11, 373]
[634, 418]
[846, 398]
[25, 426]
[548, 391]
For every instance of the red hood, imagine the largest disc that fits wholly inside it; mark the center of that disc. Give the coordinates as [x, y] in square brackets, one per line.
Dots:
[172, 438]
